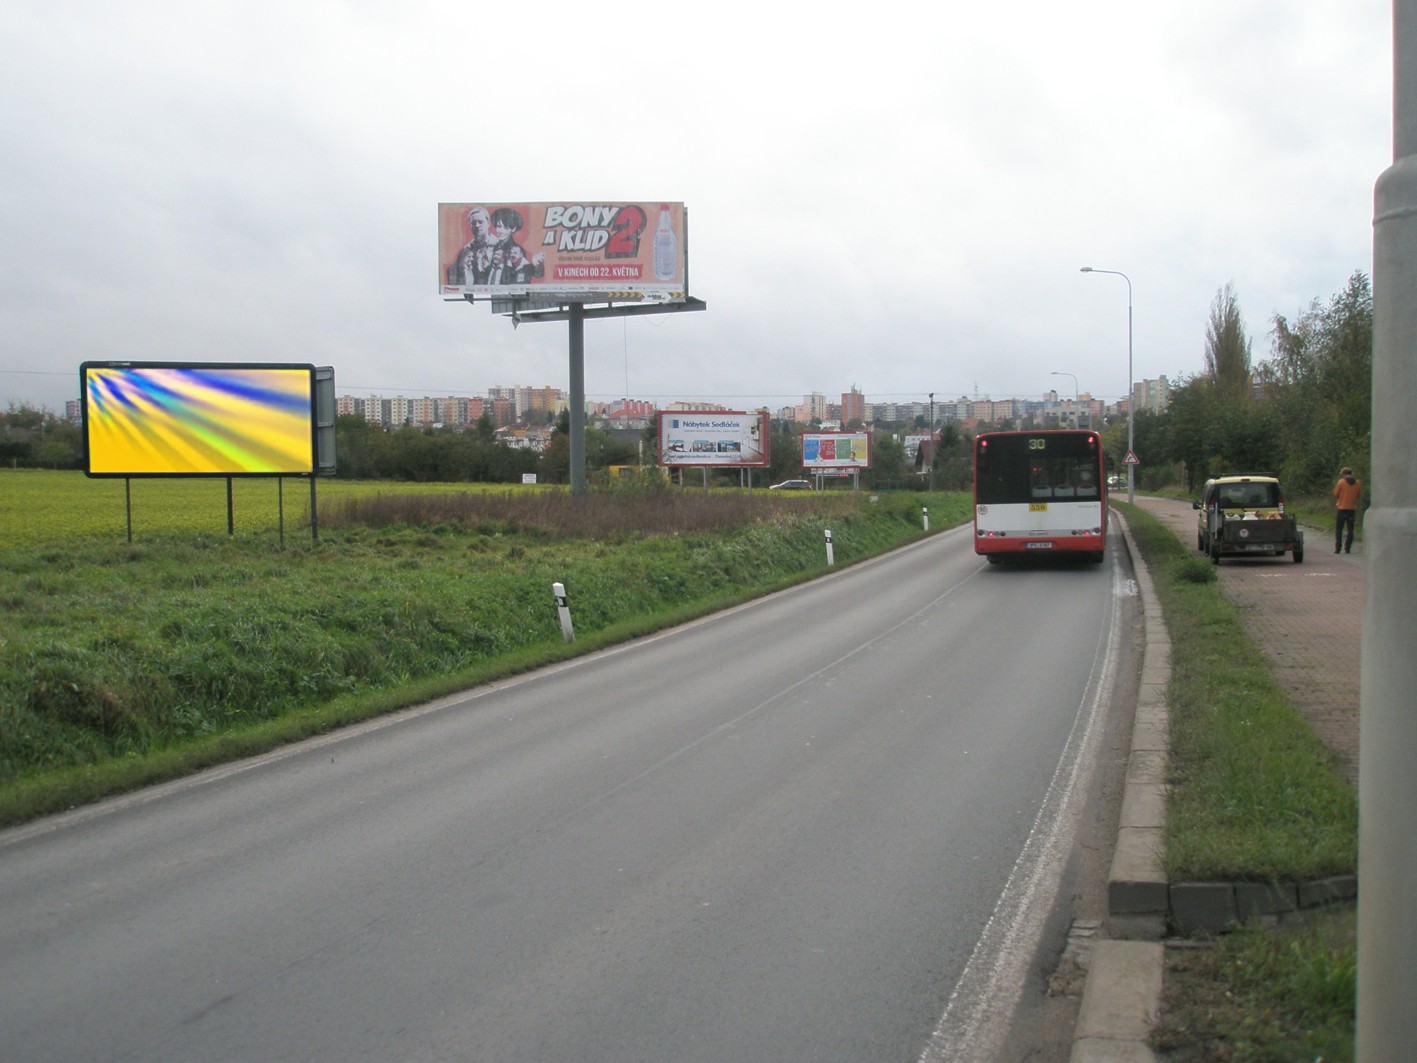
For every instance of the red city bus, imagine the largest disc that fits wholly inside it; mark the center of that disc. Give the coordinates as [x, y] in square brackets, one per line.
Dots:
[1039, 493]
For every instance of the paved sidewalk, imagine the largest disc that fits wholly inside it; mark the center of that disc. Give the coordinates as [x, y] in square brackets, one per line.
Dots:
[1308, 618]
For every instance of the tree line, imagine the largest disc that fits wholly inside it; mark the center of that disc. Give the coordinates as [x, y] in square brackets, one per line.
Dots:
[1302, 413]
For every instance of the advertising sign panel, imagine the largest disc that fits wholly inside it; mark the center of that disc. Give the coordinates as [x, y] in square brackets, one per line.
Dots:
[576, 251]
[836, 450]
[198, 419]
[714, 438]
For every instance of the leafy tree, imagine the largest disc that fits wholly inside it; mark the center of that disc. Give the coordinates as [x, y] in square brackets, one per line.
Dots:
[33, 436]
[603, 450]
[555, 464]
[888, 466]
[485, 429]
[1310, 412]
[1320, 379]
[356, 445]
[1227, 348]
[784, 452]
[1189, 435]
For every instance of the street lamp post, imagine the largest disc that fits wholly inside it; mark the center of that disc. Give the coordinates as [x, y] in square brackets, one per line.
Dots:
[1075, 393]
[931, 443]
[1131, 403]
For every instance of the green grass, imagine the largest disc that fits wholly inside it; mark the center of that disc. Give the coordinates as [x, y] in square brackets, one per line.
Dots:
[1254, 796]
[124, 664]
[40, 506]
[1265, 995]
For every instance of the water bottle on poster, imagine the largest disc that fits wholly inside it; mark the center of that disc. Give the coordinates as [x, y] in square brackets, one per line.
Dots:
[666, 247]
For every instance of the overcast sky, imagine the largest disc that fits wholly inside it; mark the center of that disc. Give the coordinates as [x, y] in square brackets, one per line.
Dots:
[893, 195]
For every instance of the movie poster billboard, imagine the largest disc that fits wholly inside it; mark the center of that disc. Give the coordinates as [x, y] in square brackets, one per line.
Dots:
[836, 450]
[574, 251]
[713, 439]
[198, 419]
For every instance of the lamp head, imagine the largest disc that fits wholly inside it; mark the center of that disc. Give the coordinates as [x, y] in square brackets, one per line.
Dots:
[1085, 269]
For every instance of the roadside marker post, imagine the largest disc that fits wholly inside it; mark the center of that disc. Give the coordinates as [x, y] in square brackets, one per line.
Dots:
[564, 609]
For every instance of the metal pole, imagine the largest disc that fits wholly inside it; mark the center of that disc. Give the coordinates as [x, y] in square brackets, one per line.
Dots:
[577, 331]
[1387, 715]
[1131, 404]
[1076, 395]
[931, 443]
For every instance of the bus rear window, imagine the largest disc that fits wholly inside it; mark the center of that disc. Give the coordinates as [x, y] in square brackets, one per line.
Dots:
[1037, 468]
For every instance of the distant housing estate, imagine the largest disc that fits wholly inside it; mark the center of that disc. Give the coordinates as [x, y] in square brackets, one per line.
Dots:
[529, 407]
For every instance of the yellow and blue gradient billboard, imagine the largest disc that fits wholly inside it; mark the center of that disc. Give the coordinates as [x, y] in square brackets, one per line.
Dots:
[196, 419]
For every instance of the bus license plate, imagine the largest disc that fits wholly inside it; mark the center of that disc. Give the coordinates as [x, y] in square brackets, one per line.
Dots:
[1038, 546]
[1038, 507]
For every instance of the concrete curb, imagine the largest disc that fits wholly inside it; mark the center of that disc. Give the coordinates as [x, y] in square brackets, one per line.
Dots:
[1122, 995]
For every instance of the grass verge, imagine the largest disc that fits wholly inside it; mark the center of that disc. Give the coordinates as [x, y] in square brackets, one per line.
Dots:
[125, 664]
[1254, 796]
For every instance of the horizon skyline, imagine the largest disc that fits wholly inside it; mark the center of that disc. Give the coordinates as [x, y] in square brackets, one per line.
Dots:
[792, 398]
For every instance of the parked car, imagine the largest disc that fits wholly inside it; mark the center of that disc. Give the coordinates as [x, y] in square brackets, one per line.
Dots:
[792, 485]
[1244, 514]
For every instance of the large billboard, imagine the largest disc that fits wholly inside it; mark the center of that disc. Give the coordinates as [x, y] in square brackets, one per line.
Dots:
[713, 439]
[198, 419]
[836, 450]
[575, 251]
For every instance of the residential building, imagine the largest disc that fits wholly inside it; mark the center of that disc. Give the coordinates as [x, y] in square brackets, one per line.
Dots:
[853, 406]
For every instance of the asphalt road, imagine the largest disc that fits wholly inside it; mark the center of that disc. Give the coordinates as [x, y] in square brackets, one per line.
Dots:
[829, 825]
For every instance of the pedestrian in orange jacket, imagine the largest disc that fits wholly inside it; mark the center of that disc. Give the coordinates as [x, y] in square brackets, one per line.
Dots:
[1345, 500]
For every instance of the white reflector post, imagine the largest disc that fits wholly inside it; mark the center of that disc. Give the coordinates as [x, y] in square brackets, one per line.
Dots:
[564, 609]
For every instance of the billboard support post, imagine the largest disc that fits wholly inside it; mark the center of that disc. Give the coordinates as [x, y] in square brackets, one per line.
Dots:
[576, 315]
[577, 346]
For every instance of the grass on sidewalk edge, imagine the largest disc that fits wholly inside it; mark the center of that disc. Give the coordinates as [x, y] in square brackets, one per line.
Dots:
[1254, 796]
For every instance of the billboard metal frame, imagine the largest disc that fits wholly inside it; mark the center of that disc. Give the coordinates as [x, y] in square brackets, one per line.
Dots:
[204, 410]
[728, 434]
[572, 251]
[832, 463]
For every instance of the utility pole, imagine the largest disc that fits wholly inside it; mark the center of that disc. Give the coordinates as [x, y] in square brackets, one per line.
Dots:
[1387, 715]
